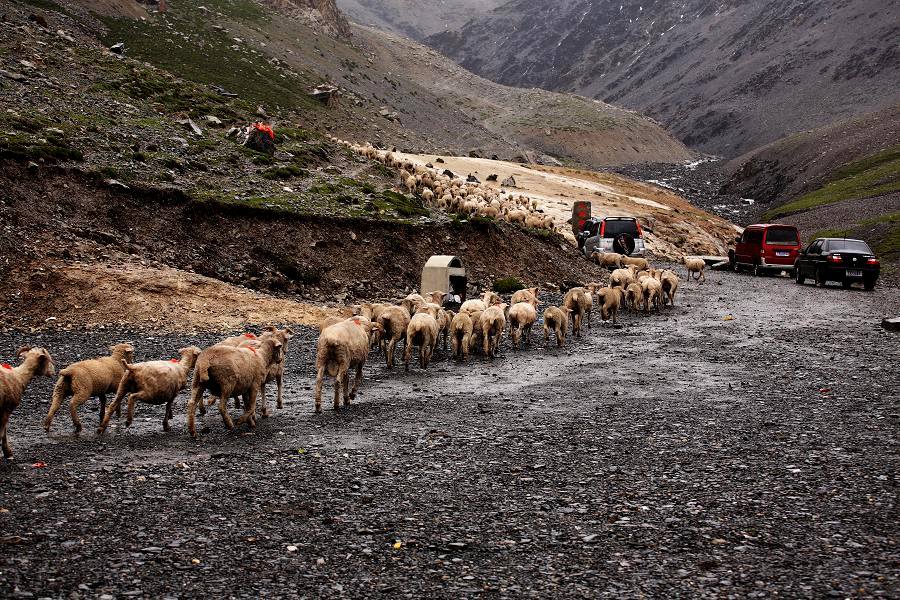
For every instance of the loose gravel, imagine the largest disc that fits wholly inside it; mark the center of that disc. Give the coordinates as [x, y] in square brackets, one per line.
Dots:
[743, 444]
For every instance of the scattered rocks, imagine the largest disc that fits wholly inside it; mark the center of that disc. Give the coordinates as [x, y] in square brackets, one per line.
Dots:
[118, 48]
[509, 182]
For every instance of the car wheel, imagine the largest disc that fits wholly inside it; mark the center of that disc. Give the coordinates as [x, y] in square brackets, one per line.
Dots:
[798, 276]
[846, 284]
[869, 284]
[732, 261]
[820, 278]
[757, 272]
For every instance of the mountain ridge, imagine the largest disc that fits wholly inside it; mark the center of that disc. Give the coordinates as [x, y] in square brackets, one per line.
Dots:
[723, 76]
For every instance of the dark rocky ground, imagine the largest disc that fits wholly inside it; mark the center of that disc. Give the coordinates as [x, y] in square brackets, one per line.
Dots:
[684, 454]
[700, 182]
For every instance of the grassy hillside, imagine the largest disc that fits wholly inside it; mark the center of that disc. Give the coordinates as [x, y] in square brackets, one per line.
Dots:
[874, 175]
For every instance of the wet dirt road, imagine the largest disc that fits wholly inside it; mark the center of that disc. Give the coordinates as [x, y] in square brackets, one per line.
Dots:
[678, 455]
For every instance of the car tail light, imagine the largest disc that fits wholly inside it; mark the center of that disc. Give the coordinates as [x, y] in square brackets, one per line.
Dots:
[602, 228]
[872, 261]
[640, 229]
[835, 258]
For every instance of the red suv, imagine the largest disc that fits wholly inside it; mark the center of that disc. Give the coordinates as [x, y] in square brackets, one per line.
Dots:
[766, 248]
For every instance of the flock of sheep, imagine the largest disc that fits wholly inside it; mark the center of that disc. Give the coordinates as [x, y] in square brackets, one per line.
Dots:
[442, 189]
[240, 367]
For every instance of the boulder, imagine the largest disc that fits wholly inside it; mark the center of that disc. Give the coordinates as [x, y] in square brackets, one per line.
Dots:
[509, 182]
[891, 324]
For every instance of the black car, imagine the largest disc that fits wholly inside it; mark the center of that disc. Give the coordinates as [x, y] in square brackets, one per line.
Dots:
[838, 259]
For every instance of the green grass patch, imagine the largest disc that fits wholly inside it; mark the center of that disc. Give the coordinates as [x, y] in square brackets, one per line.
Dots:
[285, 172]
[872, 176]
[403, 205]
[50, 149]
[508, 285]
[208, 56]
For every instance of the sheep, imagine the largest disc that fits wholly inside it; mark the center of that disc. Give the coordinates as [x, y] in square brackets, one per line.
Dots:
[608, 259]
[87, 378]
[411, 184]
[341, 348]
[437, 297]
[669, 281]
[640, 263]
[14, 380]
[610, 301]
[422, 332]
[556, 319]
[328, 322]
[695, 265]
[526, 295]
[578, 300]
[229, 372]
[493, 322]
[155, 382]
[480, 305]
[652, 293]
[522, 317]
[461, 335]
[475, 339]
[621, 278]
[634, 294]
[275, 371]
[237, 340]
[393, 322]
[533, 221]
[412, 303]
[445, 319]
[517, 216]
[427, 196]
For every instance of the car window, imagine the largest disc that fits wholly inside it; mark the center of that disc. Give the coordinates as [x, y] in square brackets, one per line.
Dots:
[614, 227]
[815, 247]
[753, 236]
[782, 235]
[849, 246]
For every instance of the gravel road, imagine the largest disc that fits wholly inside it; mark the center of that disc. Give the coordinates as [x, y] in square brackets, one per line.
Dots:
[743, 444]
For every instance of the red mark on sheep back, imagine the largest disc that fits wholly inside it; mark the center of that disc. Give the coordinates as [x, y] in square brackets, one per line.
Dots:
[6, 366]
[251, 349]
[250, 336]
[174, 360]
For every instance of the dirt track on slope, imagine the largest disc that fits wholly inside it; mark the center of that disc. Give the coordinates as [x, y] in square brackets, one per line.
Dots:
[681, 454]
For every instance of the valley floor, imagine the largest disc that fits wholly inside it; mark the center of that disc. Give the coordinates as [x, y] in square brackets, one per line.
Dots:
[685, 454]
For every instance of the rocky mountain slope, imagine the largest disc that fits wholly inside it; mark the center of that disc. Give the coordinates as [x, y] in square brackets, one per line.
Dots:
[725, 76]
[119, 147]
[413, 18]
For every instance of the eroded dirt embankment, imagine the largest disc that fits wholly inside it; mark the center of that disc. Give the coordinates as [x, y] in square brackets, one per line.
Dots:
[56, 225]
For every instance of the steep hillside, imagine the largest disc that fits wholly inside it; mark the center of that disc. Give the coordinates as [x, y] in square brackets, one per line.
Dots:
[413, 18]
[725, 76]
[568, 127]
[843, 179]
[121, 147]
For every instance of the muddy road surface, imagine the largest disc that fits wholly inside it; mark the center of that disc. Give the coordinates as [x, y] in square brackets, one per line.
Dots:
[742, 444]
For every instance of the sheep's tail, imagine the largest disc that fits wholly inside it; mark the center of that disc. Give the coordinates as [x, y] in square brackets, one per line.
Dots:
[332, 354]
[63, 385]
[201, 373]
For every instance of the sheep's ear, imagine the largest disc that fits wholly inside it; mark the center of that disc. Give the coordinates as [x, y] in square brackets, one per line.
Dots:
[289, 331]
[22, 351]
[270, 328]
